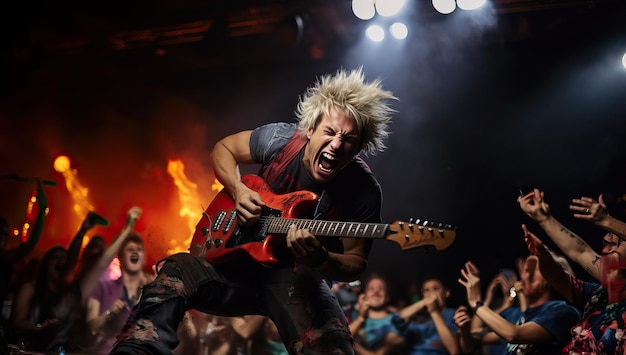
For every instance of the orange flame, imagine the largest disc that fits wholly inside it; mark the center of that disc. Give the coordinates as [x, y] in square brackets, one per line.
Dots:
[79, 193]
[190, 202]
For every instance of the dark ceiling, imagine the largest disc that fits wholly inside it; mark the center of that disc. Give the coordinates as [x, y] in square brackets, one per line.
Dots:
[217, 33]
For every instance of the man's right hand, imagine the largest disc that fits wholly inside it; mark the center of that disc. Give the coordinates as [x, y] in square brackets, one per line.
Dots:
[248, 204]
[534, 205]
[133, 215]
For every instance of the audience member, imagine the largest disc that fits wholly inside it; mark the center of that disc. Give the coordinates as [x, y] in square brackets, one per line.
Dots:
[373, 329]
[543, 328]
[9, 257]
[50, 313]
[503, 292]
[602, 326]
[112, 301]
[432, 332]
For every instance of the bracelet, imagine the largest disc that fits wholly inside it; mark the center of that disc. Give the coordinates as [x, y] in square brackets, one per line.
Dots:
[477, 306]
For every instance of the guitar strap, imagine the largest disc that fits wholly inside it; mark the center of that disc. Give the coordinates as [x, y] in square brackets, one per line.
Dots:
[276, 167]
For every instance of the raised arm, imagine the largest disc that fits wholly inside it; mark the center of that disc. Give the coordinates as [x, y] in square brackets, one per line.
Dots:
[90, 280]
[588, 209]
[448, 337]
[25, 248]
[517, 334]
[573, 246]
[550, 269]
[73, 251]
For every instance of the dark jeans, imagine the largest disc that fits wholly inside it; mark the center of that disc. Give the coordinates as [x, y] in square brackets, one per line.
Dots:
[300, 302]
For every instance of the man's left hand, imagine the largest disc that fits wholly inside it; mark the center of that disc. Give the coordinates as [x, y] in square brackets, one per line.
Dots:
[305, 247]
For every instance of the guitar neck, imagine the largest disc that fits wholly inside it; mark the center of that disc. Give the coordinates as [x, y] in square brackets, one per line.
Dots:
[329, 228]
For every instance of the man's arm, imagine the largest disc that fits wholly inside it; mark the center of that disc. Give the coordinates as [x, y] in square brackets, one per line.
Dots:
[569, 242]
[448, 338]
[588, 209]
[551, 270]
[25, 248]
[348, 266]
[462, 318]
[226, 157]
[90, 280]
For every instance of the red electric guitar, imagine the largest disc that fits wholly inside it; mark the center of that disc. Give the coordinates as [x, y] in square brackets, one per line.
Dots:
[219, 237]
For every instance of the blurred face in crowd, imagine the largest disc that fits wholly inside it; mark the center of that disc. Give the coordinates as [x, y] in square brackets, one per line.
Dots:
[614, 267]
[55, 264]
[434, 286]
[533, 282]
[132, 258]
[613, 246]
[376, 293]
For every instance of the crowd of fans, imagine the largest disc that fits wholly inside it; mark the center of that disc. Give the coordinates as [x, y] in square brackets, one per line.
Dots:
[66, 303]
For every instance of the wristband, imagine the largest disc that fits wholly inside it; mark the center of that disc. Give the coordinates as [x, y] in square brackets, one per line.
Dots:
[477, 306]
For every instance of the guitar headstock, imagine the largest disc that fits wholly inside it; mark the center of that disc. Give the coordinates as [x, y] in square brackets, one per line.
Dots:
[421, 233]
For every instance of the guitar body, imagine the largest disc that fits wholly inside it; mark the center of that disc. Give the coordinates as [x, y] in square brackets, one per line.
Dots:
[219, 237]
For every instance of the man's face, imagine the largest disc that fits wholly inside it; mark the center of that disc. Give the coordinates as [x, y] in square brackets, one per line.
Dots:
[132, 258]
[332, 145]
[613, 245]
[435, 287]
[376, 293]
[533, 282]
[614, 267]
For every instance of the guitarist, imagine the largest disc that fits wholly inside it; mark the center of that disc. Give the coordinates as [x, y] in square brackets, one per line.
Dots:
[340, 116]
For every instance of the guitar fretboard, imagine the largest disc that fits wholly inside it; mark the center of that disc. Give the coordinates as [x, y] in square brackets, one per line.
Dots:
[328, 228]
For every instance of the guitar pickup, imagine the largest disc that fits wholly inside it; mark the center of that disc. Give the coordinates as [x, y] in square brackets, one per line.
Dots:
[219, 219]
[230, 221]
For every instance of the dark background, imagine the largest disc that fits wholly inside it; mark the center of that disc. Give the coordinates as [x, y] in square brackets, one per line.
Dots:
[517, 95]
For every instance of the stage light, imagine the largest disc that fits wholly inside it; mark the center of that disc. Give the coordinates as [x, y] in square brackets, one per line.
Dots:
[399, 30]
[470, 4]
[363, 9]
[624, 60]
[388, 8]
[444, 6]
[375, 33]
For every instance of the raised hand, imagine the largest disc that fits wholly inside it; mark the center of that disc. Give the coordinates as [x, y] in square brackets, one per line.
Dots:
[588, 209]
[532, 242]
[462, 317]
[534, 205]
[469, 278]
[432, 303]
[133, 215]
[363, 306]
[42, 200]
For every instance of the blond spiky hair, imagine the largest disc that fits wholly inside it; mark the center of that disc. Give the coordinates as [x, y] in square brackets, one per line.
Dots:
[348, 91]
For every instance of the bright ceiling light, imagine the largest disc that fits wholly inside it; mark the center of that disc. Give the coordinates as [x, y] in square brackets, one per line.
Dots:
[444, 6]
[375, 33]
[363, 9]
[624, 60]
[399, 30]
[389, 8]
[470, 4]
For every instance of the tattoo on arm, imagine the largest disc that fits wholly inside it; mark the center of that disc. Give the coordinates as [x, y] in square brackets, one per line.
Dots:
[568, 232]
[595, 260]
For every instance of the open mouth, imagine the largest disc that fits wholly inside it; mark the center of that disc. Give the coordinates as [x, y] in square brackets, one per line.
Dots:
[134, 259]
[327, 163]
